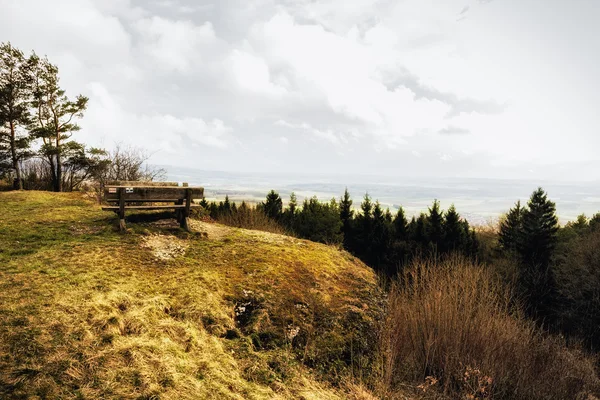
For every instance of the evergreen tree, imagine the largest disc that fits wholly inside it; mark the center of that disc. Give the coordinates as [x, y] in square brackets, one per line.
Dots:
[454, 232]
[535, 245]
[15, 96]
[346, 215]
[379, 239]
[54, 120]
[539, 228]
[226, 206]
[319, 222]
[367, 207]
[419, 230]
[204, 203]
[364, 230]
[289, 215]
[273, 206]
[595, 222]
[435, 226]
[511, 228]
[293, 204]
[401, 225]
[388, 216]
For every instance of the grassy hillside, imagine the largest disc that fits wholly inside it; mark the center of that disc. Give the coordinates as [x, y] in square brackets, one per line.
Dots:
[87, 312]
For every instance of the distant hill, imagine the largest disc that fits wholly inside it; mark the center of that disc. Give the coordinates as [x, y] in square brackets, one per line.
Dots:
[221, 313]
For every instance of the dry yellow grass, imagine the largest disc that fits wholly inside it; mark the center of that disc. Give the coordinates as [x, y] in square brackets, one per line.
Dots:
[88, 313]
[453, 329]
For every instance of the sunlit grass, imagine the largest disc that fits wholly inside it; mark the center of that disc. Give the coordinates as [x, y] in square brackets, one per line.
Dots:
[87, 312]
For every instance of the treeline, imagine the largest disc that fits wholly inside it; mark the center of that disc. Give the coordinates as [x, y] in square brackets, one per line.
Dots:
[383, 240]
[556, 269]
[37, 122]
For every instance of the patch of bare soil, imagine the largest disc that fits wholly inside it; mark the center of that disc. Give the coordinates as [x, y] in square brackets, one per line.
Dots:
[270, 237]
[213, 231]
[164, 247]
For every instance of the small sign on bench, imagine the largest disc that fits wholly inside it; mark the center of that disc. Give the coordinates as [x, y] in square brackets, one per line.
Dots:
[125, 197]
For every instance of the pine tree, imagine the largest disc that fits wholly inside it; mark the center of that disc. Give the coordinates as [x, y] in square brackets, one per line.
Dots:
[54, 122]
[454, 233]
[273, 206]
[435, 226]
[419, 230]
[535, 245]
[288, 218]
[346, 215]
[15, 95]
[401, 225]
[539, 228]
[226, 206]
[511, 228]
[293, 204]
[379, 239]
[364, 230]
[595, 222]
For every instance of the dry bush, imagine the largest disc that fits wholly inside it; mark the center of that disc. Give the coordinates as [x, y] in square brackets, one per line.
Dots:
[451, 323]
[251, 218]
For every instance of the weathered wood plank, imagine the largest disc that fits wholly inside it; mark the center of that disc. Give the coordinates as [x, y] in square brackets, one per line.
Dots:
[143, 183]
[169, 207]
[145, 193]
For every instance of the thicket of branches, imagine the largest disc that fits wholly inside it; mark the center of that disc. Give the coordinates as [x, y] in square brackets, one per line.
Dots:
[37, 123]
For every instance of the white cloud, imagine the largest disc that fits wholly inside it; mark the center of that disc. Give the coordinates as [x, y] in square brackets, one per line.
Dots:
[175, 45]
[378, 78]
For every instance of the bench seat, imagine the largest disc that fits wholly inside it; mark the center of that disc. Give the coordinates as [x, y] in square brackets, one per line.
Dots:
[168, 207]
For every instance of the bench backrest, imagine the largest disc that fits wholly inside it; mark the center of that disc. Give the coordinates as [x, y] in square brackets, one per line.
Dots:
[143, 183]
[151, 193]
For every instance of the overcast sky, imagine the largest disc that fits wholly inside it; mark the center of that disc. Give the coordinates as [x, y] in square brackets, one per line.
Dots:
[467, 88]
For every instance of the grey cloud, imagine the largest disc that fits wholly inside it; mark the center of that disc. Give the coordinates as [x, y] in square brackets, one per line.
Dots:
[458, 105]
[464, 10]
[454, 130]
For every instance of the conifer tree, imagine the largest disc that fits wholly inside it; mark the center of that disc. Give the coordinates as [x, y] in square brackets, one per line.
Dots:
[54, 119]
[511, 228]
[364, 230]
[539, 228]
[435, 226]
[15, 95]
[595, 222]
[293, 204]
[346, 215]
[535, 246]
[454, 232]
[401, 225]
[226, 206]
[380, 238]
[419, 230]
[273, 206]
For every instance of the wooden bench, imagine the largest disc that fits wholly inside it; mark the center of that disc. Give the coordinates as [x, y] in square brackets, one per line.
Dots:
[128, 196]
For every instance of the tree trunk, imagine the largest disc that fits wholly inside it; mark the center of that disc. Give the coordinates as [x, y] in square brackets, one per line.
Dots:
[15, 160]
[59, 178]
[52, 172]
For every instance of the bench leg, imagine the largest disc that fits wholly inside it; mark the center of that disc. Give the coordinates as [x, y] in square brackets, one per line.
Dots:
[185, 223]
[185, 214]
[122, 226]
[179, 212]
